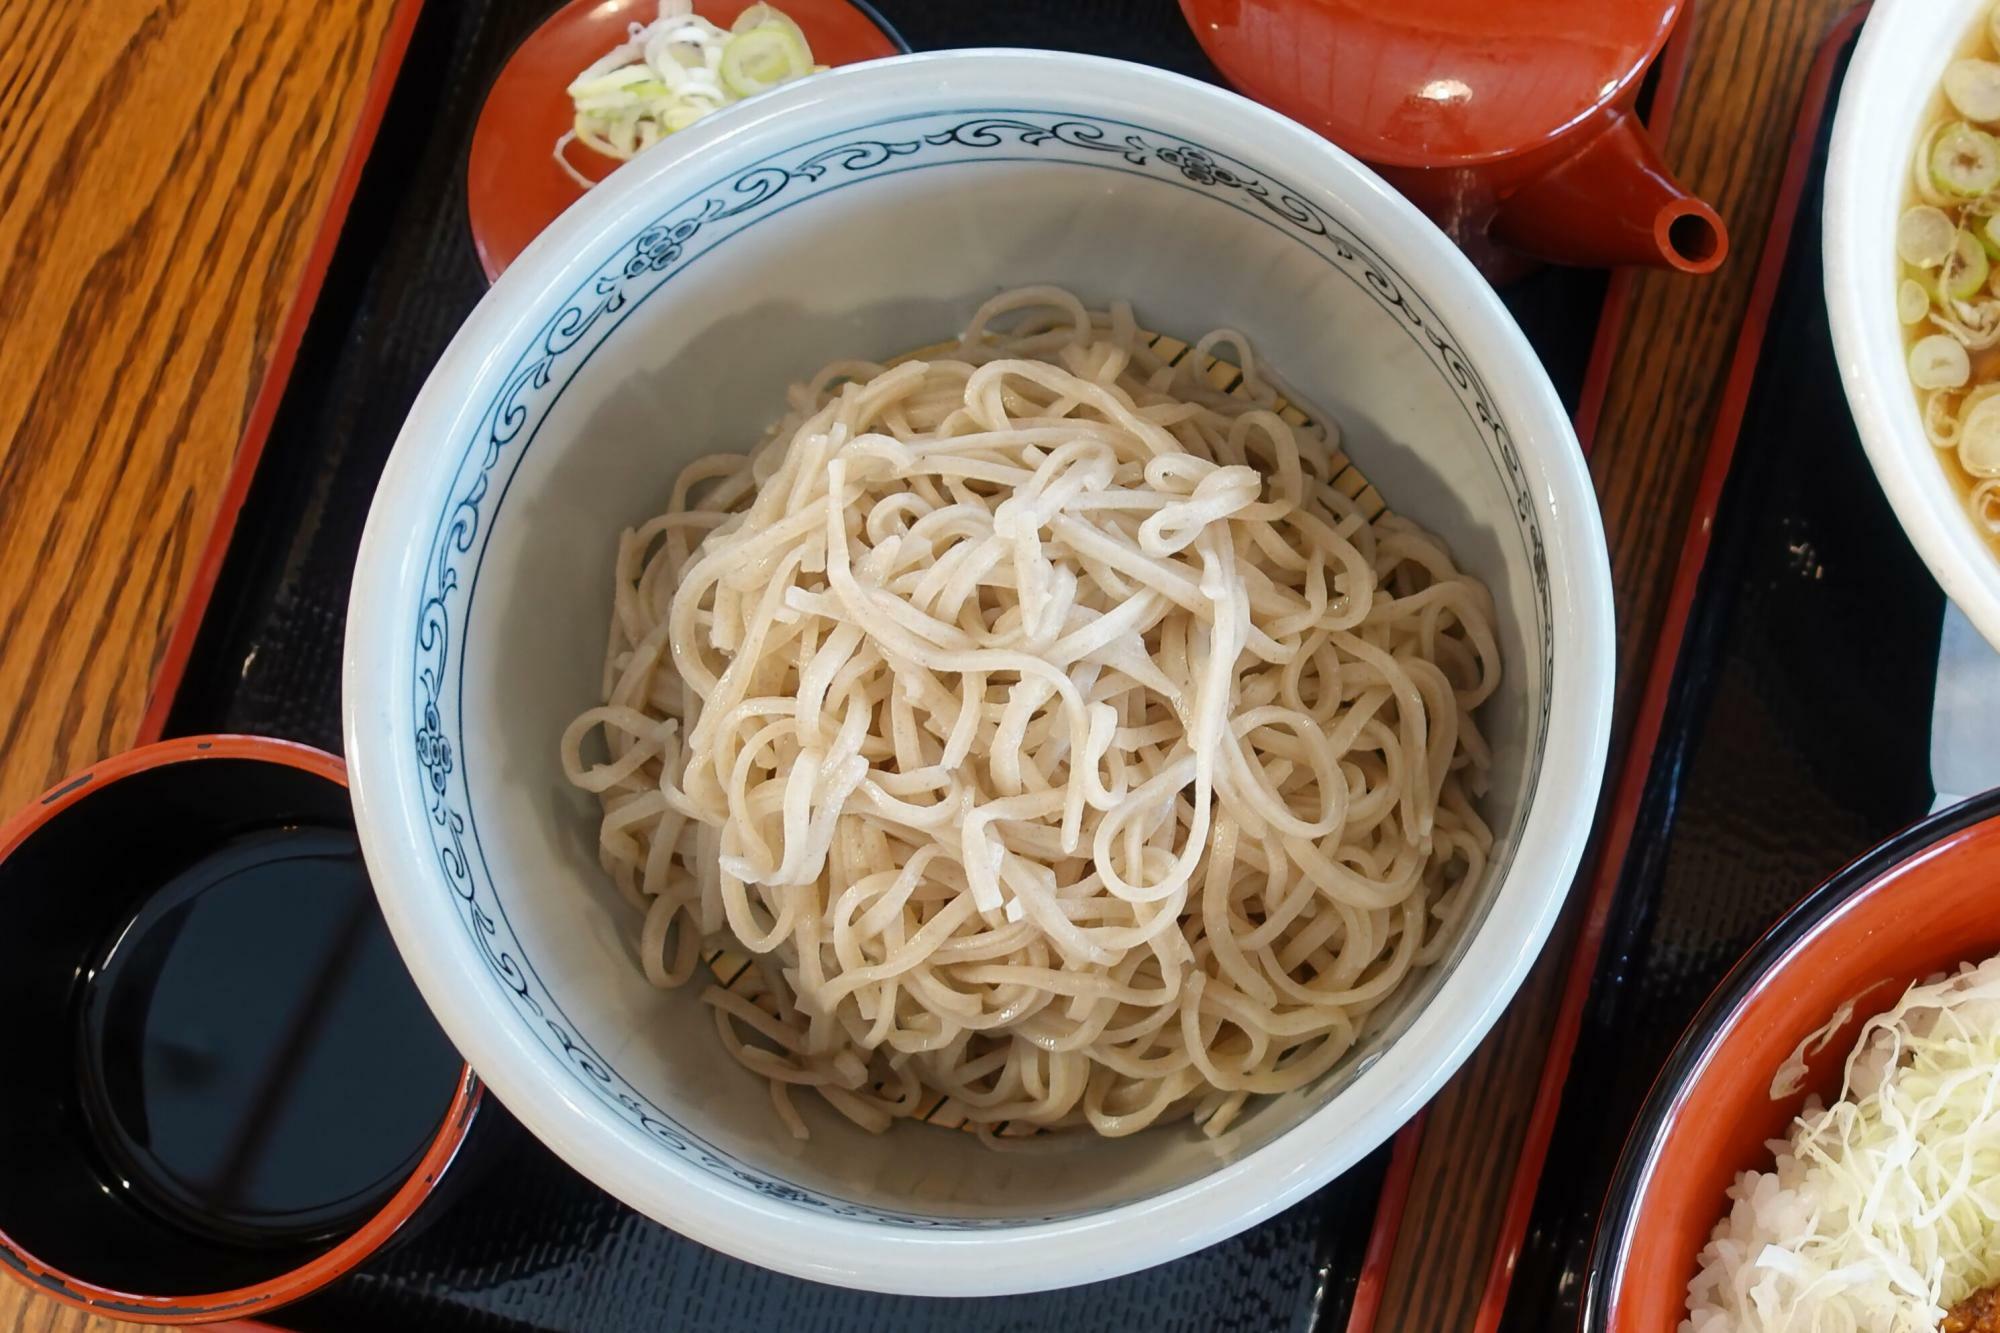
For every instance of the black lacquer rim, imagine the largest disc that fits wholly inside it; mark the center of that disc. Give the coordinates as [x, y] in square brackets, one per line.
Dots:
[874, 16]
[1691, 1053]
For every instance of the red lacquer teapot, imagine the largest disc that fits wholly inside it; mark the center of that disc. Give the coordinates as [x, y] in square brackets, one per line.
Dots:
[1510, 122]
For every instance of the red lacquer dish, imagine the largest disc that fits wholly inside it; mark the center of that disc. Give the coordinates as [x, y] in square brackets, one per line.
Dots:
[514, 186]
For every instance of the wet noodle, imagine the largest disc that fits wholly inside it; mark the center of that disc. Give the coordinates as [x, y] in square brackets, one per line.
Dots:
[1047, 728]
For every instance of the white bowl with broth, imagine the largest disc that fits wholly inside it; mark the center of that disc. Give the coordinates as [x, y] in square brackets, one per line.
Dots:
[1891, 96]
[865, 213]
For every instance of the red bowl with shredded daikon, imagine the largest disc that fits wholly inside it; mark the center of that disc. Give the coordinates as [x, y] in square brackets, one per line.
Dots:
[1919, 904]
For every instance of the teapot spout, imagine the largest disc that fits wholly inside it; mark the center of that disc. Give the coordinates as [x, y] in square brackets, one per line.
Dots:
[1609, 203]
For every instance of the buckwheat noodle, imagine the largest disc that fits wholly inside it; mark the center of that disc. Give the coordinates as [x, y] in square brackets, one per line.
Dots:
[1050, 732]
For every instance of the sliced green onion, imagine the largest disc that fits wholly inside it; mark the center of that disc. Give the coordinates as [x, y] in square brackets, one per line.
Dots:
[1973, 88]
[1985, 505]
[1924, 236]
[1965, 162]
[673, 71]
[682, 55]
[1938, 362]
[1912, 302]
[684, 115]
[765, 57]
[1965, 269]
[1976, 395]
[1920, 165]
[765, 16]
[1979, 439]
[633, 95]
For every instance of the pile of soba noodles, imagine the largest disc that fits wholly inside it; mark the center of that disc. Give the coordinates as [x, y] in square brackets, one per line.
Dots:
[1046, 728]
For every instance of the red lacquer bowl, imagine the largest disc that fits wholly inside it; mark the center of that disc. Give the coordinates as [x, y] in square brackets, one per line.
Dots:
[67, 1234]
[1920, 903]
[514, 188]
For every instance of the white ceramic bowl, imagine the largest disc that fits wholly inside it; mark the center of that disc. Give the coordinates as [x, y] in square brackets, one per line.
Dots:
[862, 213]
[1904, 48]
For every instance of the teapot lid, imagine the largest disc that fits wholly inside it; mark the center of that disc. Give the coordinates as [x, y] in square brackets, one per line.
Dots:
[1426, 83]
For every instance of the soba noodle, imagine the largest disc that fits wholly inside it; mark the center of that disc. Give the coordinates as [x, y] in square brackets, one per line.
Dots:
[1047, 728]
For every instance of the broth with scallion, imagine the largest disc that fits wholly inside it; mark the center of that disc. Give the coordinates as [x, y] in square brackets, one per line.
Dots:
[1948, 290]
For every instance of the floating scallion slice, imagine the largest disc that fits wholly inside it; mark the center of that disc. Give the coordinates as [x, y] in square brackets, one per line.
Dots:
[764, 16]
[1965, 161]
[1928, 280]
[1924, 236]
[1939, 362]
[1912, 301]
[1965, 269]
[1973, 88]
[762, 58]
[1979, 439]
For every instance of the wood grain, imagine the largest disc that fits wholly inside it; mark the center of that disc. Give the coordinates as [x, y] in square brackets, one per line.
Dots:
[1730, 142]
[163, 168]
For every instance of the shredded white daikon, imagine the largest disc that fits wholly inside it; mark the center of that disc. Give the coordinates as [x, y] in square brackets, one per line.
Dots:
[671, 72]
[1884, 1209]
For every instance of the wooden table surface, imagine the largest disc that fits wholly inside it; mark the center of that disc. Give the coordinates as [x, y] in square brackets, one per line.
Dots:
[162, 170]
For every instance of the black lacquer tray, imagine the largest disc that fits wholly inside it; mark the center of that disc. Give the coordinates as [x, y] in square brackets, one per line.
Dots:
[528, 1244]
[1795, 735]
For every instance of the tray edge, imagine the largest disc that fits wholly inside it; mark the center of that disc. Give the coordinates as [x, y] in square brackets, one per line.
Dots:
[1607, 868]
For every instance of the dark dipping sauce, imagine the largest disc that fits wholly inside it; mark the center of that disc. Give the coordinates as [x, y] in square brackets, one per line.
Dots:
[255, 1065]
